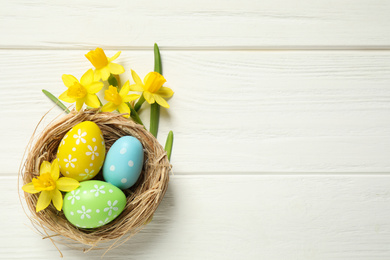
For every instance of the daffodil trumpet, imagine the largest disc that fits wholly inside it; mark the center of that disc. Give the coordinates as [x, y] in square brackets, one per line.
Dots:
[117, 100]
[83, 91]
[50, 186]
[104, 66]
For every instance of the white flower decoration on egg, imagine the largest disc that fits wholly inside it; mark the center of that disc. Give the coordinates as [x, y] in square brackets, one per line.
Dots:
[80, 136]
[92, 151]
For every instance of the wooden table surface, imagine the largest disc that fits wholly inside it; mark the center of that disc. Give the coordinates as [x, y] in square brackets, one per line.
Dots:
[281, 117]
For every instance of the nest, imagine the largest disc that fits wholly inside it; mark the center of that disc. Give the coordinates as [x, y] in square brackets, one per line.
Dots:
[142, 199]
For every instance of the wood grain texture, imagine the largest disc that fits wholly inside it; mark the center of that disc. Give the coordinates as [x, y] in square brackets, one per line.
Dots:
[230, 217]
[232, 111]
[281, 116]
[195, 24]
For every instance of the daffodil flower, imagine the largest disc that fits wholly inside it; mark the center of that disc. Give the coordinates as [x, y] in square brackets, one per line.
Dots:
[104, 66]
[118, 100]
[83, 91]
[50, 186]
[152, 88]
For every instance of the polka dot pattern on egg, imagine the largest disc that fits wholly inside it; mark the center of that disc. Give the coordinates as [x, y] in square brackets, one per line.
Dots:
[124, 162]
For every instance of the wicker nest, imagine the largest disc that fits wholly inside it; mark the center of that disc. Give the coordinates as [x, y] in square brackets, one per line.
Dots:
[142, 199]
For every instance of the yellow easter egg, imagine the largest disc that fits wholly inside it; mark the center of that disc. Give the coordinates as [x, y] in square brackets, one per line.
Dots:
[81, 152]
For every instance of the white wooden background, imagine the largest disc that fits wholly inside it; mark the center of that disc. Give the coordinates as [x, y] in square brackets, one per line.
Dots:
[281, 116]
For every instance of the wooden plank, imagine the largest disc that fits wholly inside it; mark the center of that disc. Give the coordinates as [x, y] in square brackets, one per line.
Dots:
[232, 111]
[236, 217]
[198, 24]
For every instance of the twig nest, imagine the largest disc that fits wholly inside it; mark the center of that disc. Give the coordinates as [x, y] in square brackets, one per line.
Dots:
[142, 199]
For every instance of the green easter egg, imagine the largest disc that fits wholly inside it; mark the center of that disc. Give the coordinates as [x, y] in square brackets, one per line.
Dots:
[93, 204]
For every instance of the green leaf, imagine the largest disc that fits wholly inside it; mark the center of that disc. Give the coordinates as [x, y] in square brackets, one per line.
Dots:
[155, 108]
[55, 100]
[134, 115]
[112, 81]
[169, 144]
[157, 59]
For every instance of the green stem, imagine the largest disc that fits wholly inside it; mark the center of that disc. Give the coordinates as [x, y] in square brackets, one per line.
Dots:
[112, 81]
[56, 100]
[139, 103]
[155, 108]
[134, 115]
[169, 144]
[154, 118]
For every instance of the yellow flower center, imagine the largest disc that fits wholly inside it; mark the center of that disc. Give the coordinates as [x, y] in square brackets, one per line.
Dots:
[77, 91]
[113, 96]
[98, 58]
[44, 182]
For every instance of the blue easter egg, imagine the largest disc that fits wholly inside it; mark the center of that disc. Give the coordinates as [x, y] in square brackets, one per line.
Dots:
[124, 161]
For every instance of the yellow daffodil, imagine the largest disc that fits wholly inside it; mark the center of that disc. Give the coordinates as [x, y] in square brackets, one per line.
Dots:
[83, 91]
[117, 100]
[152, 88]
[50, 186]
[104, 66]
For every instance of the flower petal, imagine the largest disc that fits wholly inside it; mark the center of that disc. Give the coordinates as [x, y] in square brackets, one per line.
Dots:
[109, 107]
[123, 108]
[64, 97]
[45, 167]
[87, 78]
[29, 187]
[79, 104]
[105, 73]
[43, 200]
[69, 80]
[94, 87]
[136, 78]
[165, 92]
[97, 75]
[148, 97]
[125, 89]
[67, 184]
[136, 87]
[57, 199]
[130, 97]
[92, 100]
[161, 101]
[55, 170]
[114, 57]
[116, 68]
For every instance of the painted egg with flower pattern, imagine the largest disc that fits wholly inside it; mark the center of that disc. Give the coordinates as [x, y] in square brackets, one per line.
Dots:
[93, 204]
[82, 151]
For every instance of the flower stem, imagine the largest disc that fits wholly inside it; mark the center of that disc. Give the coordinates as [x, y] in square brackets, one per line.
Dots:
[139, 103]
[134, 115]
[169, 144]
[155, 108]
[154, 118]
[100, 102]
[55, 100]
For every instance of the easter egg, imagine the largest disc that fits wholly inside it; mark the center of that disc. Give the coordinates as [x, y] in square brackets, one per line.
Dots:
[93, 204]
[124, 162]
[81, 152]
